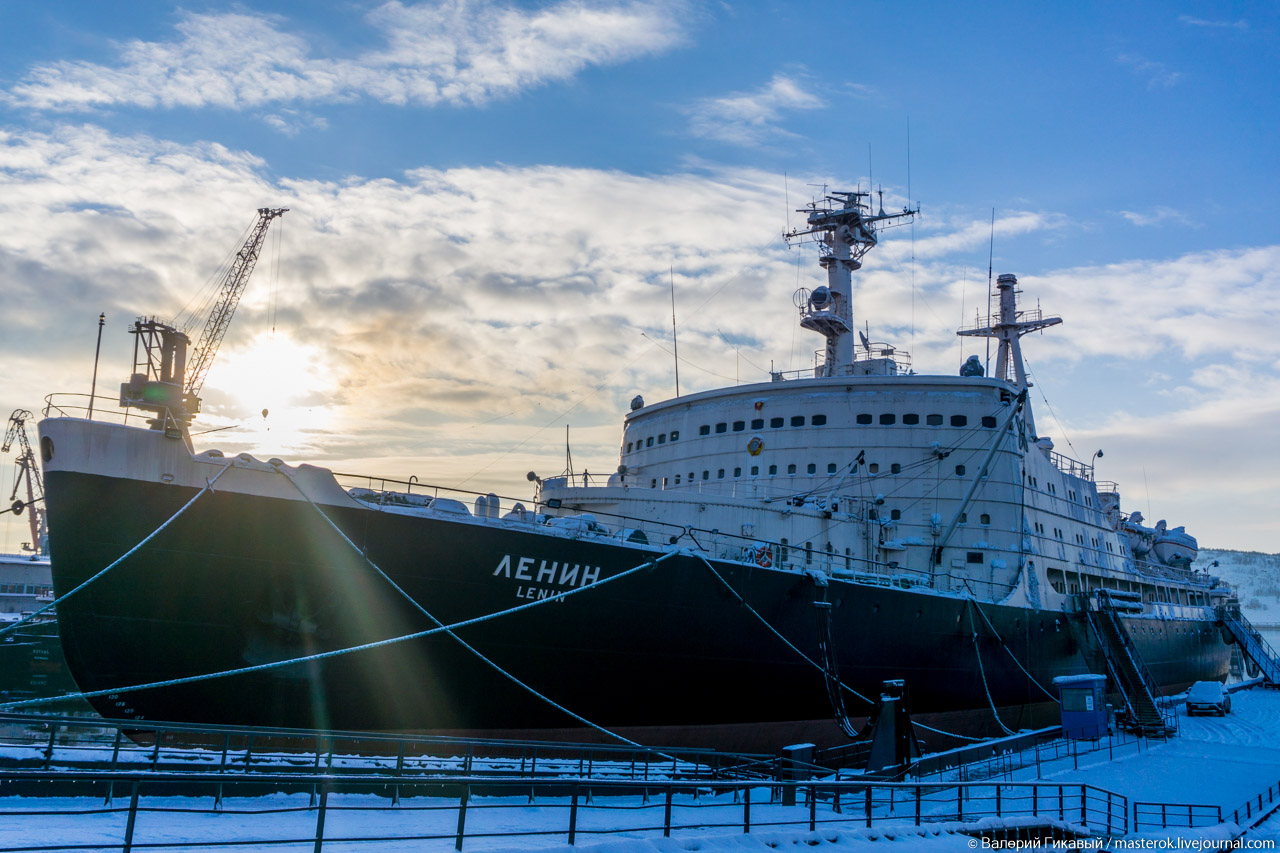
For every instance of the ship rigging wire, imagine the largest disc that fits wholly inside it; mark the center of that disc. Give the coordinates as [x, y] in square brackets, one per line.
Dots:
[208, 487]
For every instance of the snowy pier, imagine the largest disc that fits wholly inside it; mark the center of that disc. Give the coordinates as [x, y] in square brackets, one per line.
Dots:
[1218, 780]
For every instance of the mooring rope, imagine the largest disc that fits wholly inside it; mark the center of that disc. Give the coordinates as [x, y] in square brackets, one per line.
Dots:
[246, 670]
[814, 663]
[208, 487]
[1010, 651]
[504, 673]
[982, 672]
[775, 631]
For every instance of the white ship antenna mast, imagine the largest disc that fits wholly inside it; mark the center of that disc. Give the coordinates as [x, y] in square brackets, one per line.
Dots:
[845, 228]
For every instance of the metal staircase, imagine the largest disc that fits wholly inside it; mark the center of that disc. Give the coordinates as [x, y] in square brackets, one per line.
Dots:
[1124, 664]
[1254, 647]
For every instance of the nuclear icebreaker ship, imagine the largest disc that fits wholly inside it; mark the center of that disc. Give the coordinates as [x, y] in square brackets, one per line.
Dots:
[764, 558]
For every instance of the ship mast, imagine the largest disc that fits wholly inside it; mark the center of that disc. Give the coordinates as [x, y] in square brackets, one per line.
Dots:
[1011, 325]
[844, 227]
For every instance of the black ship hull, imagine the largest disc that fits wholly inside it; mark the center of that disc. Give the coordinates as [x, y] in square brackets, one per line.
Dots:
[670, 653]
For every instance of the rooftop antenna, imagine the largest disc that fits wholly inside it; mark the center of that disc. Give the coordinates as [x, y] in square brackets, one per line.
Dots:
[991, 253]
[675, 346]
[568, 455]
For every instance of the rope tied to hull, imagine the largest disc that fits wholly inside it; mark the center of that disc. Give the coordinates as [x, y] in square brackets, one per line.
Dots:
[982, 672]
[208, 487]
[404, 638]
[504, 673]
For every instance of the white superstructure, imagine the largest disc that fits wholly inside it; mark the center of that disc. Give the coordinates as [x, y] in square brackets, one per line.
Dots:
[864, 468]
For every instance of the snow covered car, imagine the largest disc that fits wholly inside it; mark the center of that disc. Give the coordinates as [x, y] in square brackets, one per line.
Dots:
[1208, 697]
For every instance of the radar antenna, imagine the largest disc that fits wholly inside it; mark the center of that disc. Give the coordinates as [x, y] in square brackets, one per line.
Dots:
[845, 228]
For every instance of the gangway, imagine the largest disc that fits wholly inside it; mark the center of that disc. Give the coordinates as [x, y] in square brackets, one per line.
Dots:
[1251, 643]
[1124, 664]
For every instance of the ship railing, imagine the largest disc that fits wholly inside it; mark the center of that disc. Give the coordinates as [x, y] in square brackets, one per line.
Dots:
[94, 407]
[1048, 752]
[1074, 467]
[549, 515]
[901, 360]
[1031, 315]
[315, 808]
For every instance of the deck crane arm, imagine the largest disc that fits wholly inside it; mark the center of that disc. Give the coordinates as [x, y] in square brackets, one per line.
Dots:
[215, 327]
[30, 471]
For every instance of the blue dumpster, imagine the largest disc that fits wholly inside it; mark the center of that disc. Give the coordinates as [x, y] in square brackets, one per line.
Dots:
[1084, 706]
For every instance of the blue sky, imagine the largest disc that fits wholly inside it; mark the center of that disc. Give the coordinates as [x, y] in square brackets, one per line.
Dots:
[486, 200]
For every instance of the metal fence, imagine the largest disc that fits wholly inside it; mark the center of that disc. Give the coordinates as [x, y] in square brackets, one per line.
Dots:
[320, 810]
[77, 743]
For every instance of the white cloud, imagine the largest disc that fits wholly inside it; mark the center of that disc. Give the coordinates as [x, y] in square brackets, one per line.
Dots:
[449, 51]
[455, 320]
[1157, 74]
[1157, 216]
[1238, 24]
[751, 118]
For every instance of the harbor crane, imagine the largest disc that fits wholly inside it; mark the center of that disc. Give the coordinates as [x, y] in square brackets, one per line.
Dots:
[163, 381]
[29, 471]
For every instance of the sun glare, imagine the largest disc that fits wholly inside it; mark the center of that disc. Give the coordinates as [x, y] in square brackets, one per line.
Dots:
[277, 390]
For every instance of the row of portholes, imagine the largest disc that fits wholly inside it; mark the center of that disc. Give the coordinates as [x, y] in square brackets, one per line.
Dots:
[864, 419]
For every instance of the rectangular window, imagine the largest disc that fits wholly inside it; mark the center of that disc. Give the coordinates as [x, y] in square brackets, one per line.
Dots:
[721, 427]
[706, 475]
[662, 438]
[797, 420]
[911, 420]
[739, 426]
[863, 419]
[818, 420]
[758, 423]
[648, 442]
[988, 421]
[773, 470]
[755, 469]
[705, 429]
[933, 420]
[720, 474]
[737, 472]
[887, 419]
[791, 469]
[831, 467]
[959, 420]
[775, 423]
[974, 557]
[675, 435]
[628, 447]
[813, 469]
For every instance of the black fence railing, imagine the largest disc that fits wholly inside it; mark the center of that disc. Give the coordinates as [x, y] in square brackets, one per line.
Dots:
[135, 810]
[91, 744]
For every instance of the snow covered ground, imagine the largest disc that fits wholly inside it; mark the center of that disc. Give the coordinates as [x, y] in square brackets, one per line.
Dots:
[1214, 761]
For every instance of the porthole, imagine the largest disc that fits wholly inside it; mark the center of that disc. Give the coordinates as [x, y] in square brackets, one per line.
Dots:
[791, 469]
[887, 419]
[797, 420]
[960, 470]
[813, 469]
[911, 420]
[831, 467]
[863, 419]
[933, 420]
[758, 423]
[818, 420]
[776, 423]
[959, 420]
[46, 449]
[895, 468]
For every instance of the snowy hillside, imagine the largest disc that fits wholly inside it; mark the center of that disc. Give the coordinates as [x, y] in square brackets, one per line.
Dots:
[1255, 577]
